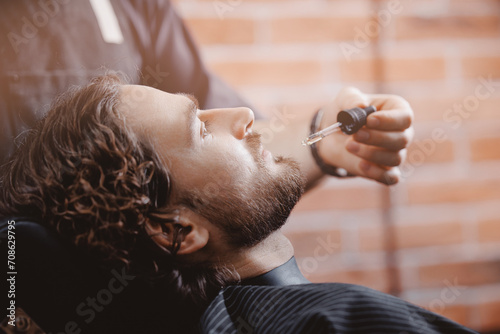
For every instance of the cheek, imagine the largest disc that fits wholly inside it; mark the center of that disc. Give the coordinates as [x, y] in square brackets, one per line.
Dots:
[214, 170]
[233, 163]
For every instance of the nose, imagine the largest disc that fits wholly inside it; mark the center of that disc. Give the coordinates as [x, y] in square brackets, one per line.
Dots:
[238, 121]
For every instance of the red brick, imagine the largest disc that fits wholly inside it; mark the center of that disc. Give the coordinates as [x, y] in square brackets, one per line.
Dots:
[345, 198]
[457, 313]
[457, 191]
[227, 31]
[269, 73]
[371, 238]
[423, 235]
[315, 243]
[410, 27]
[359, 70]
[415, 69]
[393, 69]
[487, 110]
[464, 6]
[441, 152]
[431, 108]
[374, 237]
[465, 274]
[489, 316]
[304, 110]
[489, 230]
[481, 66]
[485, 149]
[316, 29]
[375, 279]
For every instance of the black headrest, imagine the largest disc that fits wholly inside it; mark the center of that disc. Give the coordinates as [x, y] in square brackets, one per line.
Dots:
[63, 291]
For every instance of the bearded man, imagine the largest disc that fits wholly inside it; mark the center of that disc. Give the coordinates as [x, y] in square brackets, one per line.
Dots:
[191, 203]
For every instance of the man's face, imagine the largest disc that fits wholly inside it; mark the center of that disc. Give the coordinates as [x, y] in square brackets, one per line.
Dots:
[218, 165]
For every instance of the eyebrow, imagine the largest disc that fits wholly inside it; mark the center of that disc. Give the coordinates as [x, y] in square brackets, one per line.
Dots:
[192, 98]
[191, 113]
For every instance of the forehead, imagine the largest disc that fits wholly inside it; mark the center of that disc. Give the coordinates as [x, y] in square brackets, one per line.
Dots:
[163, 117]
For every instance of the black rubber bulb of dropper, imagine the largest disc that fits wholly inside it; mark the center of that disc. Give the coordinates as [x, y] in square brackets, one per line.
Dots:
[352, 120]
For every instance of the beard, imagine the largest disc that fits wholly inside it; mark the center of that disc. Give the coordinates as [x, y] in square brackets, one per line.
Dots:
[249, 213]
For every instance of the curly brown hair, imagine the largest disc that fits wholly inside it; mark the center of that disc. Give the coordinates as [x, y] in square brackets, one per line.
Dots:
[83, 172]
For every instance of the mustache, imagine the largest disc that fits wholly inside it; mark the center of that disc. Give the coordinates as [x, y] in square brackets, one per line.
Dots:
[253, 141]
[254, 144]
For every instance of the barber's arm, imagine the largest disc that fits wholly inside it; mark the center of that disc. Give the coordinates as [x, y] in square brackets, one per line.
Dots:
[374, 152]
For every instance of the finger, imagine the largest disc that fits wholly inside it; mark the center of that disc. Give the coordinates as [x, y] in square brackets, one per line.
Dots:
[400, 120]
[386, 176]
[367, 169]
[374, 154]
[350, 97]
[388, 101]
[393, 141]
[390, 120]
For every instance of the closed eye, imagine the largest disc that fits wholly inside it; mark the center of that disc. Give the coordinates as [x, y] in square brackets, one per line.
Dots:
[204, 130]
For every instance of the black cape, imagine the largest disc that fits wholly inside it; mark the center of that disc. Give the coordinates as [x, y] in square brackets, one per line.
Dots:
[319, 308]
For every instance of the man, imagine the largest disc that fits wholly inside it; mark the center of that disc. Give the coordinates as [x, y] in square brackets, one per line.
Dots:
[49, 45]
[114, 166]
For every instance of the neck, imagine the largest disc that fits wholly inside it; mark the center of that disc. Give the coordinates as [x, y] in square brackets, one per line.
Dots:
[270, 253]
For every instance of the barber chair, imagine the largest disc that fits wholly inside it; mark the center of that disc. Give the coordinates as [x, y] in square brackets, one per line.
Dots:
[58, 291]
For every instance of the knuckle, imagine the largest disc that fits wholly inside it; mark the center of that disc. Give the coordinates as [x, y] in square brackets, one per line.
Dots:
[410, 133]
[371, 155]
[386, 179]
[403, 154]
[398, 159]
[406, 122]
[350, 89]
[403, 142]
[395, 160]
[402, 101]
[406, 108]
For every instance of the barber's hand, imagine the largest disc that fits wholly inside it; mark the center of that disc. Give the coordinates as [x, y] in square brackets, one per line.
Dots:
[376, 150]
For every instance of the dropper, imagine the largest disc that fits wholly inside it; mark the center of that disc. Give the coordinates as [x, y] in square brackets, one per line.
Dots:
[349, 121]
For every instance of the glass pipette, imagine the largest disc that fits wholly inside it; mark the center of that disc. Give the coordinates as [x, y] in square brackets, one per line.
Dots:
[349, 121]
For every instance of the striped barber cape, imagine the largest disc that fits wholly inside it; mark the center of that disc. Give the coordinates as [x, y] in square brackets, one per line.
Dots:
[318, 308]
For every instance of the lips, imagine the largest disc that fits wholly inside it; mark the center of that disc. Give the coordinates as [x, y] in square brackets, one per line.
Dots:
[263, 152]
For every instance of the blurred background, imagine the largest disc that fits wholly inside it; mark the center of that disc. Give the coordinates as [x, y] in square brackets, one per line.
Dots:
[434, 239]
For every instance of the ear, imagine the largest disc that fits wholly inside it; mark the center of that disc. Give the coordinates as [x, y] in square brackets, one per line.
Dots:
[192, 228]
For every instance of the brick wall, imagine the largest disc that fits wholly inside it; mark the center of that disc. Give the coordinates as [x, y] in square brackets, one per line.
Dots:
[444, 57]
